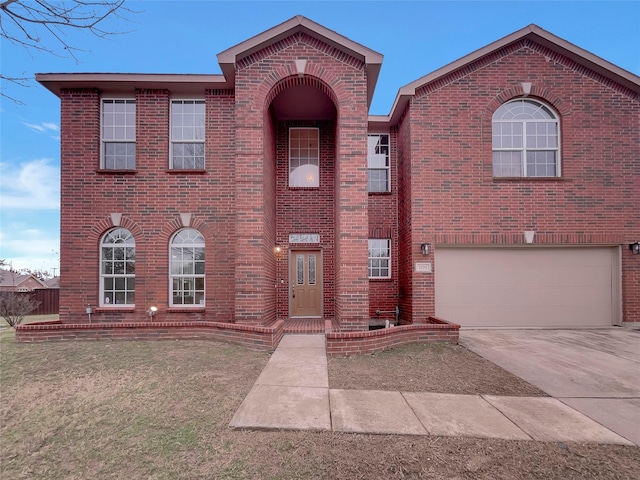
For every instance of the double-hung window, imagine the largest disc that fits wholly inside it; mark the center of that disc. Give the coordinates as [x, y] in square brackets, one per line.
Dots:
[378, 163]
[187, 268]
[525, 140]
[187, 134]
[304, 157]
[117, 268]
[379, 258]
[118, 132]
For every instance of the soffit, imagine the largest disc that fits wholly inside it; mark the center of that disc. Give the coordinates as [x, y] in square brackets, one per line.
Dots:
[372, 60]
[126, 83]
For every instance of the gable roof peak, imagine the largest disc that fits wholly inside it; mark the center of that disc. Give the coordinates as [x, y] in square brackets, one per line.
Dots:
[372, 59]
[536, 34]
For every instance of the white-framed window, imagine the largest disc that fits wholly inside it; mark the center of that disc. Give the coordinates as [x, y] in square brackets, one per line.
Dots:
[378, 163]
[525, 140]
[187, 278]
[118, 134]
[117, 268]
[304, 157]
[379, 258]
[187, 134]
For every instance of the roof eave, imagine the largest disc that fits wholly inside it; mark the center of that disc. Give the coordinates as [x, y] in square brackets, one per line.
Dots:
[128, 82]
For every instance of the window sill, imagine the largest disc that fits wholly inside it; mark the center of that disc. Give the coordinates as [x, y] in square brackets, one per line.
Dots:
[376, 194]
[304, 188]
[117, 171]
[189, 171]
[529, 179]
[377, 279]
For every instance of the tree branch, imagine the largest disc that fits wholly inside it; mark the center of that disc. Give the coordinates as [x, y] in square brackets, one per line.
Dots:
[23, 21]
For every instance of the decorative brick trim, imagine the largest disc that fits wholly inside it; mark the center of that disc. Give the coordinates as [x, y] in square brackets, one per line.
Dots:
[300, 37]
[79, 92]
[104, 225]
[295, 81]
[548, 96]
[517, 238]
[148, 92]
[512, 48]
[217, 92]
[175, 224]
[576, 67]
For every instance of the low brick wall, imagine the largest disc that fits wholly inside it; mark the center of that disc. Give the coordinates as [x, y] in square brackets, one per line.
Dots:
[342, 344]
[250, 336]
[254, 337]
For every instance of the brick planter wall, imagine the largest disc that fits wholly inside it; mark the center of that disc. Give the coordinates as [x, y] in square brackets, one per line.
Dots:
[250, 336]
[342, 344]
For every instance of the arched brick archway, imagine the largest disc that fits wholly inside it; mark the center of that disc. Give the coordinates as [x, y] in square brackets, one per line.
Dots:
[269, 211]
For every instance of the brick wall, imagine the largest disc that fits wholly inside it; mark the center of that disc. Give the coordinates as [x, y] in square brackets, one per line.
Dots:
[443, 189]
[383, 223]
[435, 330]
[405, 255]
[150, 199]
[259, 79]
[456, 200]
[302, 210]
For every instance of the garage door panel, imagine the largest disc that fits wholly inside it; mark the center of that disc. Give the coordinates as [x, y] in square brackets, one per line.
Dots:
[528, 297]
[525, 287]
[545, 316]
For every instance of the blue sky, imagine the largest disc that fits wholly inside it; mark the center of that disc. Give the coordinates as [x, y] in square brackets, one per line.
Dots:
[185, 37]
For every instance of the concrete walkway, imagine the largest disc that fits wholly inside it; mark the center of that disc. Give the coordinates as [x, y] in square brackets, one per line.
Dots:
[292, 392]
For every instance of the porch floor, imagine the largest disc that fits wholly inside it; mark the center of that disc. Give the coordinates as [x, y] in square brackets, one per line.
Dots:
[307, 325]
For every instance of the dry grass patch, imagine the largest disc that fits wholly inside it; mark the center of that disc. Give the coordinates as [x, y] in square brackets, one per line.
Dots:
[438, 368]
[161, 410]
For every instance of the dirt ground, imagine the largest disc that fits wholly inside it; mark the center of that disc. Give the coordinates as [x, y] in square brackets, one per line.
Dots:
[161, 410]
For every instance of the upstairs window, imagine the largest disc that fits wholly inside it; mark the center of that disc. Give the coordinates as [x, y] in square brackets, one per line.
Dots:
[379, 258]
[187, 268]
[118, 131]
[187, 134]
[304, 157]
[117, 268]
[378, 163]
[525, 140]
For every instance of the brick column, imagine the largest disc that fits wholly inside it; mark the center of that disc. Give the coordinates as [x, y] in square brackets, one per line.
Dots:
[352, 225]
[79, 159]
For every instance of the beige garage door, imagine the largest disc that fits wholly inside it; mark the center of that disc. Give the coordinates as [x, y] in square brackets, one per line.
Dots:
[528, 287]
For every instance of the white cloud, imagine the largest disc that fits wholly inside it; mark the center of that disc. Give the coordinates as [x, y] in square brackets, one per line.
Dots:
[51, 126]
[42, 127]
[31, 185]
[30, 248]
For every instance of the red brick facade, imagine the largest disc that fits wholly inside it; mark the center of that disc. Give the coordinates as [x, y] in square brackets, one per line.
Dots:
[442, 188]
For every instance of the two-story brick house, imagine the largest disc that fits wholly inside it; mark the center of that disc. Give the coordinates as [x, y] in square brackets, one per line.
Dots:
[501, 190]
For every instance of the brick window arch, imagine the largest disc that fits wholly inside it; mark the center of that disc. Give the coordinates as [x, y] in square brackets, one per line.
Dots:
[117, 268]
[186, 269]
[525, 140]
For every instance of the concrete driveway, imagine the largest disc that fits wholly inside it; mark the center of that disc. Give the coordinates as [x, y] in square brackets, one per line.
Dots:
[596, 372]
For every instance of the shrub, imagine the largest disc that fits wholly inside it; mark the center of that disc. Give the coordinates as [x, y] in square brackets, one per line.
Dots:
[14, 306]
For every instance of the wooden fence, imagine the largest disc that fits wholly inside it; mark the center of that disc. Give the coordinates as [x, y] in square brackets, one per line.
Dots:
[49, 299]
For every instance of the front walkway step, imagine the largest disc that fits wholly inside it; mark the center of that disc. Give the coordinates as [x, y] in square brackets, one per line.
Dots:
[275, 407]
